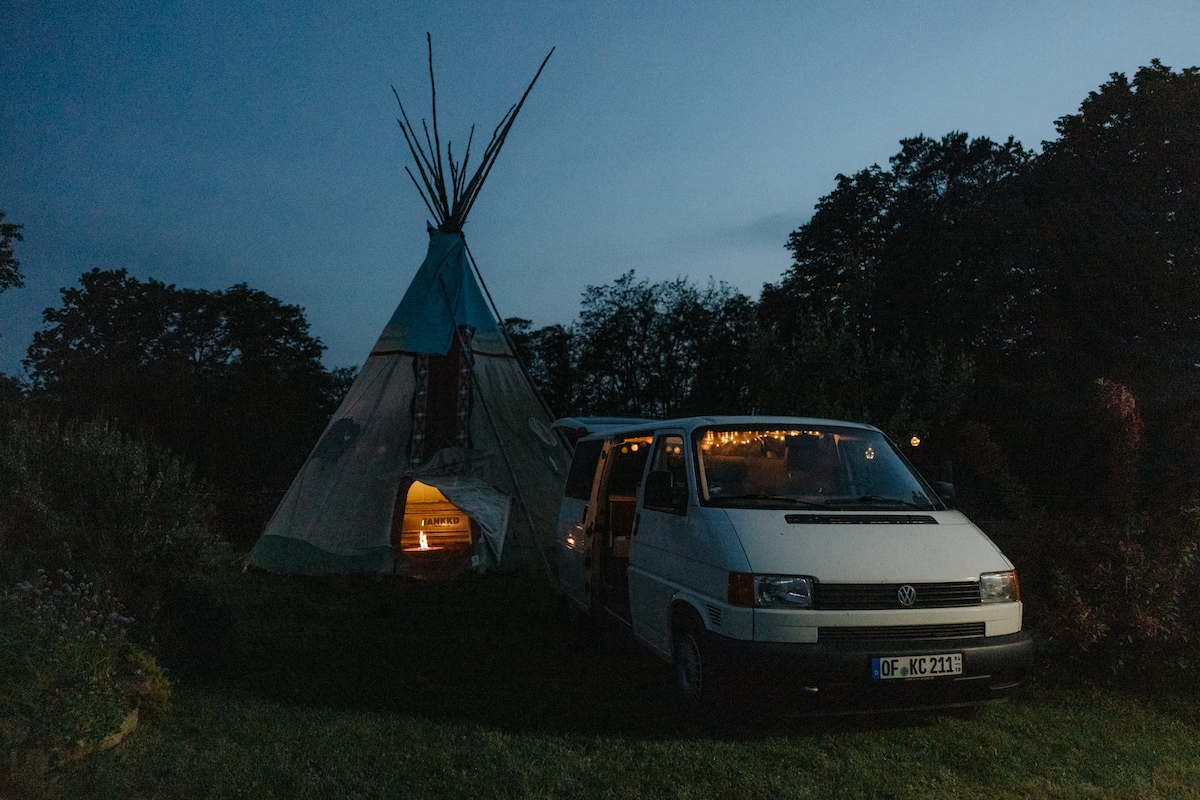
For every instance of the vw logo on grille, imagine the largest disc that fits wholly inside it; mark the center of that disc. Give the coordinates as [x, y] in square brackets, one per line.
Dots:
[907, 595]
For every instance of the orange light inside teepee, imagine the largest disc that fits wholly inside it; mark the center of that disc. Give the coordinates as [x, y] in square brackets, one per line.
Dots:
[432, 522]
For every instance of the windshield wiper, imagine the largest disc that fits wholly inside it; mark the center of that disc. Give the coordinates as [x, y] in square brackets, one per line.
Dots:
[791, 502]
[877, 499]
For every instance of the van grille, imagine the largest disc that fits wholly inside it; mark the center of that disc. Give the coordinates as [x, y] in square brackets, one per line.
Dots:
[869, 596]
[892, 633]
[859, 519]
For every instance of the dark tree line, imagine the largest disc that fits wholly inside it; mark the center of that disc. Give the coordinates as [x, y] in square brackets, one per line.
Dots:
[645, 350]
[231, 380]
[10, 268]
[10, 277]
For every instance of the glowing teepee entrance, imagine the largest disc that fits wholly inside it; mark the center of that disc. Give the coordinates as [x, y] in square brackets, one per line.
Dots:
[429, 533]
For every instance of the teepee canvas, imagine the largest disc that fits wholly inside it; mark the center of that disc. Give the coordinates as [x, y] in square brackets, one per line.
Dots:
[442, 450]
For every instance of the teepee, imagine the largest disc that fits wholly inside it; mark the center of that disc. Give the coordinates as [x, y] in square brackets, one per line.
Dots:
[442, 451]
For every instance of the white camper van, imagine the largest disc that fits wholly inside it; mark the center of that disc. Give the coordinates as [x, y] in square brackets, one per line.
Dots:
[787, 557]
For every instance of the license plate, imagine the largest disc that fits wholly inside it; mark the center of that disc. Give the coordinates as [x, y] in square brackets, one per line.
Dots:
[907, 667]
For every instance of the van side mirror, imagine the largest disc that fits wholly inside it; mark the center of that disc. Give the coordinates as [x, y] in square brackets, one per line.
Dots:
[661, 493]
[945, 492]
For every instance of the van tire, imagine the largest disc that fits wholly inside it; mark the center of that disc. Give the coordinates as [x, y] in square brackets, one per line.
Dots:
[697, 678]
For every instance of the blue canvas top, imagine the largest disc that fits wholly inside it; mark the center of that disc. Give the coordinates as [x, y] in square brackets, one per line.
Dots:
[443, 296]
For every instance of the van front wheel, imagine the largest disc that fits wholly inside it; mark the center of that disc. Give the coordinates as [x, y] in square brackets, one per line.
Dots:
[695, 673]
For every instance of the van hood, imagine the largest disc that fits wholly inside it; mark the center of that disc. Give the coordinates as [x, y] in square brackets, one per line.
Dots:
[866, 546]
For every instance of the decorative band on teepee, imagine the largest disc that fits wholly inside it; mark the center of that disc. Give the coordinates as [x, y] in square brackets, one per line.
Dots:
[441, 405]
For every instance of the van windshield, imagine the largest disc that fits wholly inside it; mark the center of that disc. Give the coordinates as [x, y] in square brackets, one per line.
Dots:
[836, 468]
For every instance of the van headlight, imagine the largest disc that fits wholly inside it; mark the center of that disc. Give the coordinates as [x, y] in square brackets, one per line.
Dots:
[770, 591]
[999, 587]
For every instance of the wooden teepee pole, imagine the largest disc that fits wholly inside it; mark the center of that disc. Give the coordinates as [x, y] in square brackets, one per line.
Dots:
[451, 208]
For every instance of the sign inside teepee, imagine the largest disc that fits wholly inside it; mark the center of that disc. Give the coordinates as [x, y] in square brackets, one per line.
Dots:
[433, 535]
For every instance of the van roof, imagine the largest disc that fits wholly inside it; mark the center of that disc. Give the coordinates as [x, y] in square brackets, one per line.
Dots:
[601, 427]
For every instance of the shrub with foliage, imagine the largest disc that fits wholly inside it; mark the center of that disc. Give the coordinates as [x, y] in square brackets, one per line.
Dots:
[69, 675]
[79, 494]
[1113, 572]
[1120, 593]
[231, 380]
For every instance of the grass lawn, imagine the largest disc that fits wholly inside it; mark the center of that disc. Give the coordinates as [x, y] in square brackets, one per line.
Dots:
[479, 687]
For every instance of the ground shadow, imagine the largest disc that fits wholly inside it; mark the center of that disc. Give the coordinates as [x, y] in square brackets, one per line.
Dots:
[499, 651]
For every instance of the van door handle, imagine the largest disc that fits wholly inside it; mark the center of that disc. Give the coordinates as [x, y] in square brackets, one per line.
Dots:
[637, 518]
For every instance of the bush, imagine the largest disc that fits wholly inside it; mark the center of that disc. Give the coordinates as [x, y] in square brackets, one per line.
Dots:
[1109, 571]
[86, 494]
[69, 676]
[1119, 594]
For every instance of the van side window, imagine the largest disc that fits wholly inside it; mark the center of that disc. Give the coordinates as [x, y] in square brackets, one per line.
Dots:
[668, 457]
[666, 483]
[583, 469]
[628, 462]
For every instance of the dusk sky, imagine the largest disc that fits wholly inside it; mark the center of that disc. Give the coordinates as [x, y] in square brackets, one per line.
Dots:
[211, 143]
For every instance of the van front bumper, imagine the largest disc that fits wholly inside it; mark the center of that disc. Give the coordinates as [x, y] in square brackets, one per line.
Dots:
[826, 678]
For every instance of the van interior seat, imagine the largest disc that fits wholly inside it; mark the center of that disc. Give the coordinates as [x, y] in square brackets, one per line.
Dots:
[736, 475]
[726, 471]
